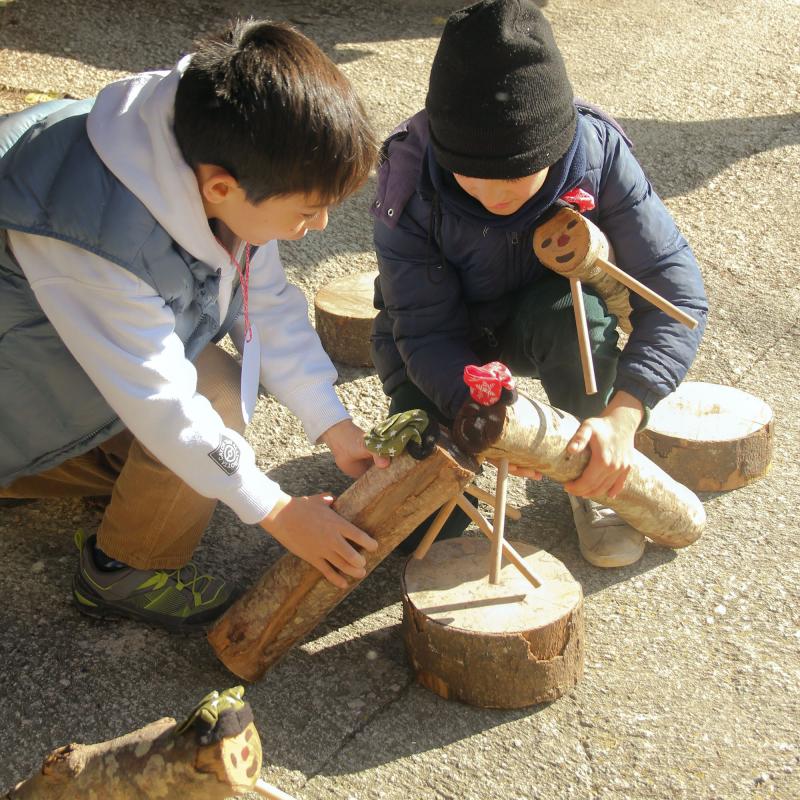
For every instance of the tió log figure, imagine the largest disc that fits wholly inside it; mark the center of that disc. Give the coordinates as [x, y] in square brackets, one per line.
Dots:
[213, 754]
[292, 597]
[535, 436]
[573, 246]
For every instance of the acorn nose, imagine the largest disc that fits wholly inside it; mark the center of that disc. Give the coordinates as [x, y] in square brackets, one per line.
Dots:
[562, 240]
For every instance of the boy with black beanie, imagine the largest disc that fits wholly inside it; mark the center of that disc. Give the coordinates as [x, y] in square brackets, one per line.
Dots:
[462, 187]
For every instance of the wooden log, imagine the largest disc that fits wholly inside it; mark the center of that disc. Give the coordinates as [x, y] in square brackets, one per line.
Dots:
[503, 645]
[343, 315]
[710, 438]
[292, 597]
[570, 245]
[535, 435]
[152, 762]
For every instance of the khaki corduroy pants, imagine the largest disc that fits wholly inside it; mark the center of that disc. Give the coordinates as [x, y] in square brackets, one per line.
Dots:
[154, 520]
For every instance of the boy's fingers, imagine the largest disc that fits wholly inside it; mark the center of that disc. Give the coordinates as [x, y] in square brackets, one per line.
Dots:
[524, 472]
[580, 440]
[347, 568]
[330, 574]
[358, 537]
[380, 461]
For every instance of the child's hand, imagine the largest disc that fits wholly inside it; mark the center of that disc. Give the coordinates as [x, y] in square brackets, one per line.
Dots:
[346, 441]
[520, 472]
[609, 437]
[312, 530]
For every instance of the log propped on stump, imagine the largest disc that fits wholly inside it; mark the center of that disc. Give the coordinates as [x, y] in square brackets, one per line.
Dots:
[709, 437]
[292, 597]
[504, 645]
[343, 315]
[157, 761]
[535, 435]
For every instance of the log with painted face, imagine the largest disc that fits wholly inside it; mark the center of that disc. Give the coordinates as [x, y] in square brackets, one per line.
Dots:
[571, 245]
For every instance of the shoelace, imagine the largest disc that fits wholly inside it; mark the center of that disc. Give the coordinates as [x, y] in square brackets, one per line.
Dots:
[162, 576]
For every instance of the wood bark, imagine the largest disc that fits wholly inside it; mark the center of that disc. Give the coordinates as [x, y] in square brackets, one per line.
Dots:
[535, 435]
[504, 645]
[343, 315]
[571, 245]
[711, 438]
[292, 597]
[146, 764]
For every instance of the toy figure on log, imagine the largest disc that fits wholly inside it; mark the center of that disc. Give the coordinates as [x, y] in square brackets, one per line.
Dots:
[574, 247]
[215, 753]
[292, 597]
[535, 435]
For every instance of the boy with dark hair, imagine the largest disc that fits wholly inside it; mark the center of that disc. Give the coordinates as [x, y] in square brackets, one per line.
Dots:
[462, 187]
[138, 229]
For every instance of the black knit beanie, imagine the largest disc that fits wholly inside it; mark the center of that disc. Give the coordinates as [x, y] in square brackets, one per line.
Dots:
[499, 100]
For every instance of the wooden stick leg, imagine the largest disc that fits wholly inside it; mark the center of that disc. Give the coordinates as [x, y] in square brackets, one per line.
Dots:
[508, 551]
[512, 512]
[496, 563]
[656, 299]
[444, 512]
[272, 792]
[583, 337]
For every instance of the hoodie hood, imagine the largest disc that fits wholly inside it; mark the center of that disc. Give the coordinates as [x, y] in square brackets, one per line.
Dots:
[130, 127]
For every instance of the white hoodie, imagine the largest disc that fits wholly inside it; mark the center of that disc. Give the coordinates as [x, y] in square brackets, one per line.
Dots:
[123, 334]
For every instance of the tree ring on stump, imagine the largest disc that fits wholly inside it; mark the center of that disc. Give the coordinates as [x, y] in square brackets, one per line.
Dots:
[504, 645]
[343, 316]
[710, 437]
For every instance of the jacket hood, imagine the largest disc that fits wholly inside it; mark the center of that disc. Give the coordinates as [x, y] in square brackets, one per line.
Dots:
[130, 127]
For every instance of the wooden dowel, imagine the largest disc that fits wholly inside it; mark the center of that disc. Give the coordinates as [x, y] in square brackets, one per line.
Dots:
[508, 551]
[444, 512]
[648, 294]
[272, 792]
[584, 346]
[499, 522]
[512, 512]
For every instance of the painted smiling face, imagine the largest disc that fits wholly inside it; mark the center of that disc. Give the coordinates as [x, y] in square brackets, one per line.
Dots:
[568, 242]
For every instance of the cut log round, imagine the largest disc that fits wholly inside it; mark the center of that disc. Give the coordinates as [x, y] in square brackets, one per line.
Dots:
[343, 317]
[710, 438]
[504, 645]
[292, 597]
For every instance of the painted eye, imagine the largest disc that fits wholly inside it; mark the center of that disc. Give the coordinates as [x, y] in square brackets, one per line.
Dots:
[572, 223]
[547, 242]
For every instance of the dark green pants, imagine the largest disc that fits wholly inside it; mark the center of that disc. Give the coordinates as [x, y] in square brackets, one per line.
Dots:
[539, 340]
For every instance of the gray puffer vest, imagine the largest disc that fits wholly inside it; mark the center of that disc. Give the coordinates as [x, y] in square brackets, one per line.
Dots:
[53, 183]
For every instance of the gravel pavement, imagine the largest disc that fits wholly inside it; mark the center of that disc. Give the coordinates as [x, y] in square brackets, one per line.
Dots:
[691, 687]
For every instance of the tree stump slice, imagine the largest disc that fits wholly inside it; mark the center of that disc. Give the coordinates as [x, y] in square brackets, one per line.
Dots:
[504, 645]
[710, 438]
[343, 317]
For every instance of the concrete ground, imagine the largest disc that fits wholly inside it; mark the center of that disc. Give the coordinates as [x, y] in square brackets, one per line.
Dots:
[692, 664]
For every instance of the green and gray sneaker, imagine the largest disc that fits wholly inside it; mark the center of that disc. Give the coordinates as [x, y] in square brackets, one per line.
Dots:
[180, 600]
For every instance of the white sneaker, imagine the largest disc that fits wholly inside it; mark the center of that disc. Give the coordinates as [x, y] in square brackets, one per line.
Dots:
[605, 539]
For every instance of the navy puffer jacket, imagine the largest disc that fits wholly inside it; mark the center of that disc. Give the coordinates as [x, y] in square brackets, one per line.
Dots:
[448, 271]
